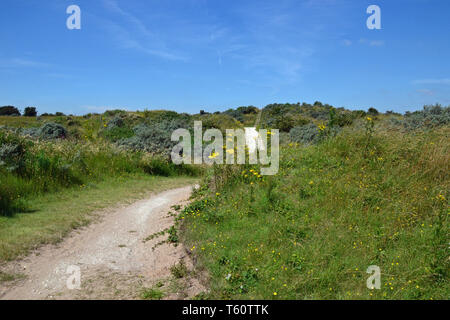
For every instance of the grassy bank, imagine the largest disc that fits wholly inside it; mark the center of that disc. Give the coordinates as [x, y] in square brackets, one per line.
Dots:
[333, 210]
[51, 216]
[31, 168]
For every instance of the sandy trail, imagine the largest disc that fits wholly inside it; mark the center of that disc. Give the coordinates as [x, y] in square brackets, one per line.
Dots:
[113, 260]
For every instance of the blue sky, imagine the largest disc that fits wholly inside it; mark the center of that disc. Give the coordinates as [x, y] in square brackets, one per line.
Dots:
[187, 55]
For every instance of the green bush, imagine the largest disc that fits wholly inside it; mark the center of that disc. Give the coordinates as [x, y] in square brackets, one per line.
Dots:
[52, 130]
[12, 152]
[9, 111]
[30, 112]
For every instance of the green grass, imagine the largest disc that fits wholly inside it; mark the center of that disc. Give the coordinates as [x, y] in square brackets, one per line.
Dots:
[51, 216]
[32, 168]
[8, 277]
[152, 294]
[333, 210]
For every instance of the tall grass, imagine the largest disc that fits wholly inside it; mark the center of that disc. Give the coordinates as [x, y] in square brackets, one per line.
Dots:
[33, 168]
[359, 199]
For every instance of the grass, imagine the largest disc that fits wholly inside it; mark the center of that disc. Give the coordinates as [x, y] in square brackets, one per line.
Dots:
[8, 277]
[332, 211]
[152, 294]
[51, 216]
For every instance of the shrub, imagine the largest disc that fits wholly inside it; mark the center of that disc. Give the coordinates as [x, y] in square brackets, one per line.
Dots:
[12, 152]
[373, 111]
[114, 112]
[430, 117]
[307, 134]
[345, 119]
[9, 111]
[51, 130]
[116, 122]
[30, 112]
[179, 270]
[154, 138]
[239, 113]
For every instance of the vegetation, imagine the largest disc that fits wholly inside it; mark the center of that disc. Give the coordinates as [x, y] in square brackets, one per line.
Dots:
[152, 294]
[48, 162]
[30, 112]
[9, 111]
[354, 189]
[179, 270]
[361, 197]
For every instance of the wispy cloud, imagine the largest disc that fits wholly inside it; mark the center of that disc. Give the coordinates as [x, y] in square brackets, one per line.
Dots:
[133, 34]
[426, 92]
[372, 43]
[21, 63]
[347, 42]
[445, 81]
[376, 43]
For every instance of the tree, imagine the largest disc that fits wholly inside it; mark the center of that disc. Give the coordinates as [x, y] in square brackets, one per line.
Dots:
[30, 112]
[373, 111]
[9, 111]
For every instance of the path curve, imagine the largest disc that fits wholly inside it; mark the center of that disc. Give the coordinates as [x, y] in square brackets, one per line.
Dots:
[111, 255]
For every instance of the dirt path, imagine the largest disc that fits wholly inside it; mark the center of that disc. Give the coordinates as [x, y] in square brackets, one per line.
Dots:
[113, 259]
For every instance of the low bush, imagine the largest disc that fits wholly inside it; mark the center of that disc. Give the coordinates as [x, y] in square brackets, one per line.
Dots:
[52, 130]
[154, 138]
[307, 134]
[433, 116]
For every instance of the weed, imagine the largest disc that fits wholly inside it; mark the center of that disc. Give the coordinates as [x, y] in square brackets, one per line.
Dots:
[152, 294]
[179, 270]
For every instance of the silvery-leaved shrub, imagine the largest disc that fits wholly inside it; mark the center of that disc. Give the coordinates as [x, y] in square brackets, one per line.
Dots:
[307, 134]
[51, 130]
[116, 122]
[154, 137]
[12, 152]
[31, 132]
[430, 117]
